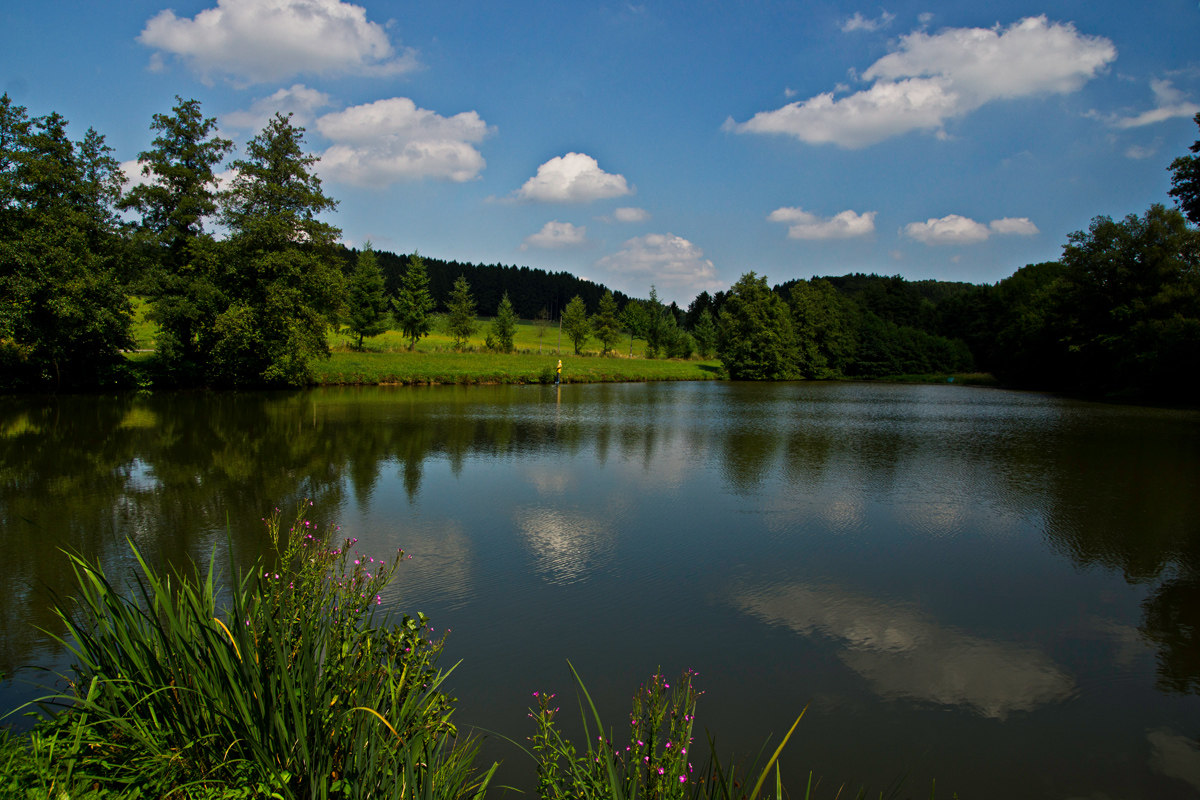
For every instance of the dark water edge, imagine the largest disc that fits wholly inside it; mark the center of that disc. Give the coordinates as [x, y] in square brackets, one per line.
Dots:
[997, 589]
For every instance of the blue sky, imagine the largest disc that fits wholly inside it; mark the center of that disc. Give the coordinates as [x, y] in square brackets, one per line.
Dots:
[679, 144]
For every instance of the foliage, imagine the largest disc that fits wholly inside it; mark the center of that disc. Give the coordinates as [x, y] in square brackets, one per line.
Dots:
[504, 327]
[64, 310]
[705, 334]
[824, 326]
[460, 317]
[756, 339]
[1185, 182]
[366, 304]
[1128, 308]
[656, 324]
[299, 686]
[656, 764]
[575, 322]
[605, 325]
[413, 303]
[178, 195]
[283, 279]
[634, 320]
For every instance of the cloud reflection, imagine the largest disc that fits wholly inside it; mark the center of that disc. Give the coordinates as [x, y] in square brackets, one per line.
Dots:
[1175, 756]
[904, 654]
[566, 544]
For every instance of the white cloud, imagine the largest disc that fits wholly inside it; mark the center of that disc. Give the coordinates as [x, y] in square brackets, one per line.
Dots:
[956, 229]
[805, 225]
[300, 101]
[1138, 152]
[860, 23]
[673, 264]
[573, 178]
[631, 215]
[1168, 104]
[556, 234]
[135, 177]
[929, 79]
[257, 41]
[380, 143]
[1020, 226]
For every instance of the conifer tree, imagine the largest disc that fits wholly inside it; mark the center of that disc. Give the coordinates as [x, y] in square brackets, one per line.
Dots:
[366, 302]
[504, 327]
[460, 320]
[705, 334]
[605, 325]
[414, 303]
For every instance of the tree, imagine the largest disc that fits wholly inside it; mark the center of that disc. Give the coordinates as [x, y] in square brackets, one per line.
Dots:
[1128, 308]
[705, 334]
[756, 341]
[575, 321]
[1185, 182]
[824, 328]
[366, 303]
[283, 280]
[504, 327]
[656, 324]
[634, 320]
[541, 322]
[180, 193]
[605, 325]
[413, 303]
[460, 321]
[64, 309]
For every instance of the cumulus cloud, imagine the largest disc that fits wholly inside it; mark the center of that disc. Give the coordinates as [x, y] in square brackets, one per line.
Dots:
[573, 178]
[380, 143]
[673, 264]
[805, 225]
[1020, 226]
[257, 41]
[1168, 103]
[931, 78]
[956, 229]
[134, 176]
[300, 101]
[555, 234]
[860, 23]
[631, 215]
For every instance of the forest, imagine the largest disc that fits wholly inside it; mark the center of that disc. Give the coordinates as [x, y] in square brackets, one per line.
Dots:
[1118, 315]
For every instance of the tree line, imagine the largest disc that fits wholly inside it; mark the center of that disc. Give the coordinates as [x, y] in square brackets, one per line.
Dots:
[1119, 312]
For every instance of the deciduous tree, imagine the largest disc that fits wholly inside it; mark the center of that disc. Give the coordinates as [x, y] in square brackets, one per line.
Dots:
[756, 340]
[575, 322]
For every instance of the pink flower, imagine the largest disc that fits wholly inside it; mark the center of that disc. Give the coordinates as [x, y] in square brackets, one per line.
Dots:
[660, 770]
[683, 778]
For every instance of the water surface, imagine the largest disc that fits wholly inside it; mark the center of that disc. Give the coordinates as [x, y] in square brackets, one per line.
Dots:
[997, 589]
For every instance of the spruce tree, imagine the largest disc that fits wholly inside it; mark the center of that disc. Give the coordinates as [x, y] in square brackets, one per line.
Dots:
[605, 325]
[504, 327]
[460, 319]
[705, 334]
[413, 303]
[366, 302]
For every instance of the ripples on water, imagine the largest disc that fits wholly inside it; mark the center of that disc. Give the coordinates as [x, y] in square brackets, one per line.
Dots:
[998, 589]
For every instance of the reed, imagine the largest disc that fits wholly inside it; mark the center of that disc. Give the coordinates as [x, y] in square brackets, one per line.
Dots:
[297, 684]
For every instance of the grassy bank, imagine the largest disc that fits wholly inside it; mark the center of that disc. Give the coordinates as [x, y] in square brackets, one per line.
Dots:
[444, 367]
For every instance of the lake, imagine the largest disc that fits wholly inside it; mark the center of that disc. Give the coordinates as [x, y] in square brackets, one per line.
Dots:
[996, 589]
